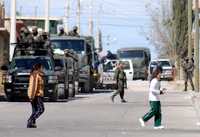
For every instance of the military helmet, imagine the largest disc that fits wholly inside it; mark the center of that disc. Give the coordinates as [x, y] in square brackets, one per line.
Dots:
[22, 29]
[75, 28]
[34, 28]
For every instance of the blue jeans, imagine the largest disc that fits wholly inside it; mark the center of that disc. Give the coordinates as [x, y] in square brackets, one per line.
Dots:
[37, 109]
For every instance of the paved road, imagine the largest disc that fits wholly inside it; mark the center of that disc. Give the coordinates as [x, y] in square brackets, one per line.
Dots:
[96, 116]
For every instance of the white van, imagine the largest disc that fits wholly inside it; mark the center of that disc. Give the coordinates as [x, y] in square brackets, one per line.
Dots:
[128, 68]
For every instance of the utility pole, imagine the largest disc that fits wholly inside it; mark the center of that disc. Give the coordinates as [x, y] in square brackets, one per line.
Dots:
[196, 46]
[91, 23]
[46, 15]
[78, 16]
[190, 29]
[67, 16]
[98, 44]
[12, 29]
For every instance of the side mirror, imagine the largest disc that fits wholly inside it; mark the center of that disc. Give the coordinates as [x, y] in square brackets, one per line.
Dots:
[5, 68]
[58, 68]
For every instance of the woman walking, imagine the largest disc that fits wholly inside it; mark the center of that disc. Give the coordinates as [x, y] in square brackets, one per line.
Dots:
[154, 100]
[35, 94]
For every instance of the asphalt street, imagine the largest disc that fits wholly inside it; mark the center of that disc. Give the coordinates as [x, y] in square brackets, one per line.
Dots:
[94, 115]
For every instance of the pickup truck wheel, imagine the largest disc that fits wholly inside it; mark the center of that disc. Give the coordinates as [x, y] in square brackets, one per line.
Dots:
[54, 96]
[10, 98]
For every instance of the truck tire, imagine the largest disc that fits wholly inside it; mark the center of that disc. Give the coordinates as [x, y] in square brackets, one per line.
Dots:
[72, 91]
[10, 98]
[54, 96]
[88, 87]
[61, 94]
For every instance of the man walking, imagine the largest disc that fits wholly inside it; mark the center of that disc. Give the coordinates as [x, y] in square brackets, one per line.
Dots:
[188, 67]
[120, 77]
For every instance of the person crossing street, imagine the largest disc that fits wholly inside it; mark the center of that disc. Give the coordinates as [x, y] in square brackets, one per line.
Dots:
[154, 92]
[120, 77]
[35, 94]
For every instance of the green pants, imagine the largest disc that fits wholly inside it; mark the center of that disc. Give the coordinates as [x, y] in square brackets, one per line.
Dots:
[154, 111]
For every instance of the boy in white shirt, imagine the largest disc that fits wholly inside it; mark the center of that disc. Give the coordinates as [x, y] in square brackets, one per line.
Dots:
[154, 100]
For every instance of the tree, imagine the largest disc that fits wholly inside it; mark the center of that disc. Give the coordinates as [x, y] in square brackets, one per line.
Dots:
[162, 29]
[169, 30]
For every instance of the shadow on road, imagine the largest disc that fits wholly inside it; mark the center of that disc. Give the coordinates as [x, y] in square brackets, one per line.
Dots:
[97, 91]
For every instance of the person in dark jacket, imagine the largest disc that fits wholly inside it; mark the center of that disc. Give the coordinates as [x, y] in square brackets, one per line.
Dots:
[120, 77]
[35, 94]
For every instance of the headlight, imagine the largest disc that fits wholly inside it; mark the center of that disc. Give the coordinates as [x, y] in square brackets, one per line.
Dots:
[8, 78]
[52, 79]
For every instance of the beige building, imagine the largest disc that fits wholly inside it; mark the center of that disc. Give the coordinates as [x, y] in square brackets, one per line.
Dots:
[4, 44]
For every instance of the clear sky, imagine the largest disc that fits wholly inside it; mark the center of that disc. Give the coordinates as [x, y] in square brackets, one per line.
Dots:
[123, 22]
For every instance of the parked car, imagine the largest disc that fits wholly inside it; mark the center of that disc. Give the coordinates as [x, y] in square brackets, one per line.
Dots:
[128, 68]
[167, 68]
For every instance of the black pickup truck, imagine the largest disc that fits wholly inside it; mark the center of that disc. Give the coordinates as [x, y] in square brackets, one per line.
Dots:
[17, 78]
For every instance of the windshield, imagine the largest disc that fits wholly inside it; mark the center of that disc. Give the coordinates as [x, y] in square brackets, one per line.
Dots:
[126, 65]
[76, 45]
[131, 54]
[59, 63]
[165, 63]
[28, 63]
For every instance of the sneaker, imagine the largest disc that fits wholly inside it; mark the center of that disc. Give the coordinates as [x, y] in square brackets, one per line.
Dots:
[31, 126]
[159, 127]
[123, 101]
[142, 123]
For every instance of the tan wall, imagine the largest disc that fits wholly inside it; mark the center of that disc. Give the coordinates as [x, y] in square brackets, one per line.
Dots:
[2, 15]
[4, 54]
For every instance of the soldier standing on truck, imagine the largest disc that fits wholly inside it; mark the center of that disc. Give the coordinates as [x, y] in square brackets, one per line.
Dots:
[188, 67]
[120, 77]
[74, 32]
[61, 32]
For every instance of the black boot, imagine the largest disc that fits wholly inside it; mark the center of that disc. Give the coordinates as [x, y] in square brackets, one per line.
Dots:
[31, 124]
[185, 87]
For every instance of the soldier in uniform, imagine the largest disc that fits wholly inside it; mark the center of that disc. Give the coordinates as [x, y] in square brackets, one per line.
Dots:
[61, 32]
[120, 77]
[188, 67]
[35, 34]
[74, 32]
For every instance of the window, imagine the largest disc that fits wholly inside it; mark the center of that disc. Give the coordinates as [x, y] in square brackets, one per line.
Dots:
[76, 45]
[131, 54]
[28, 63]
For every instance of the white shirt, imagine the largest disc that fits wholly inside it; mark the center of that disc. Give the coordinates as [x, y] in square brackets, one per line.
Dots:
[154, 90]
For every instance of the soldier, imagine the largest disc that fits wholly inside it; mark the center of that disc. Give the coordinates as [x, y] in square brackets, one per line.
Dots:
[35, 34]
[120, 77]
[74, 32]
[188, 67]
[46, 42]
[61, 32]
[25, 38]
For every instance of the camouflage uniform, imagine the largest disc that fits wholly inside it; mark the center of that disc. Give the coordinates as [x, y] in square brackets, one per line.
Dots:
[120, 77]
[74, 32]
[61, 32]
[188, 67]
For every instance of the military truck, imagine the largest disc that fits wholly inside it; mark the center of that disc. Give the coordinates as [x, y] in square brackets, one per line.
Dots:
[140, 57]
[84, 52]
[16, 81]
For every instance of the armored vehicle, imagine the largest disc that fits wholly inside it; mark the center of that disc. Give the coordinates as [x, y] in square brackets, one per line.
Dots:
[84, 51]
